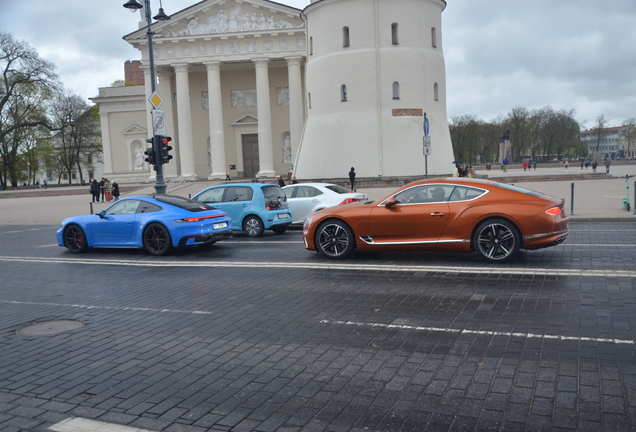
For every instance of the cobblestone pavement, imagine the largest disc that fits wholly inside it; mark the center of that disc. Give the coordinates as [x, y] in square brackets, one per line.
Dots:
[261, 335]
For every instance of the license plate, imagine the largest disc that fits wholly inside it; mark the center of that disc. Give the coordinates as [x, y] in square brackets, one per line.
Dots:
[220, 225]
[283, 216]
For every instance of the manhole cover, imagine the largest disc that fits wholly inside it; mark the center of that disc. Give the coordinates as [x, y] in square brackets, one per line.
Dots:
[49, 328]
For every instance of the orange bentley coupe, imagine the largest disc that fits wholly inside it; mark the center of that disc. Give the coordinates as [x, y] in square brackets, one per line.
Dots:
[494, 219]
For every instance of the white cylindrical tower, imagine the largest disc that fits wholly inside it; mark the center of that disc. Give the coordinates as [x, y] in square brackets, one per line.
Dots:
[374, 67]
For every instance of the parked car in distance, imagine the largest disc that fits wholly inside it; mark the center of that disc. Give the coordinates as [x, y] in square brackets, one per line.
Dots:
[156, 223]
[306, 198]
[253, 207]
[446, 215]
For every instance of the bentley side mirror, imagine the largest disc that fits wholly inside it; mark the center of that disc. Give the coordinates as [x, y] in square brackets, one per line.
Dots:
[390, 203]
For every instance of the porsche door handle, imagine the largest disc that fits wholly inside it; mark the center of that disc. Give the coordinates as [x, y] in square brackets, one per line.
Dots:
[437, 214]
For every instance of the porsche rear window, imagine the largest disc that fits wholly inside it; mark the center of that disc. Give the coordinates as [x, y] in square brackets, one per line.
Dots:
[518, 189]
[184, 203]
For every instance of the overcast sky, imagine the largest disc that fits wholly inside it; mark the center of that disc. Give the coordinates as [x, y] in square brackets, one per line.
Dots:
[569, 54]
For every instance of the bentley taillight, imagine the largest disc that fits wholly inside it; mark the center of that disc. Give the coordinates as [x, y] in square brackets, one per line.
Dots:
[554, 211]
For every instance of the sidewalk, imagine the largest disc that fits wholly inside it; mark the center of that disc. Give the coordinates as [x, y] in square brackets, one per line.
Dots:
[594, 200]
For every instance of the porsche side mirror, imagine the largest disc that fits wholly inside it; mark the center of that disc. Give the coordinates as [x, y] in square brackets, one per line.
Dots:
[390, 203]
[101, 214]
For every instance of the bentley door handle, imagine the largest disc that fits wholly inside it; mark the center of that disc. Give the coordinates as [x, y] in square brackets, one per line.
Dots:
[435, 214]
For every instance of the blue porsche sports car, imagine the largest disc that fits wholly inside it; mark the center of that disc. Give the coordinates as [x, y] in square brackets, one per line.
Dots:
[156, 223]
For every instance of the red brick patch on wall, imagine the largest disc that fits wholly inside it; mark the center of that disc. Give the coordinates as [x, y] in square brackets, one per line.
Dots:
[407, 112]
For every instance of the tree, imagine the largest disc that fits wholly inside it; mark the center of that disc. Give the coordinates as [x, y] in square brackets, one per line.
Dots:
[629, 134]
[26, 84]
[464, 131]
[78, 141]
[518, 121]
[599, 127]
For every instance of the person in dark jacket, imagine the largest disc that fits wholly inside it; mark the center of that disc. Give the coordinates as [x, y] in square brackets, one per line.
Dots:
[352, 179]
[94, 189]
[101, 188]
[115, 191]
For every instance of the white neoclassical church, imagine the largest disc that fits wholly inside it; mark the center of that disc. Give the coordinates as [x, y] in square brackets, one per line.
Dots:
[258, 87]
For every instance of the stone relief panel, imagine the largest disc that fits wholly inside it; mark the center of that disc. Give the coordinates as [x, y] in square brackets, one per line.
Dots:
[284, 44]
[185, 51]
[203, 49]
[234, 48]
[123, 106]
[251, 47]
[300, 43]
[268, 45]
[218, 48]
[170, 52]
[282, 96]
[234, 20]
[243, 98]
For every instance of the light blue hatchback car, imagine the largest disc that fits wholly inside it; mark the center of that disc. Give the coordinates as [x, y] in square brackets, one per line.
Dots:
[253, 207]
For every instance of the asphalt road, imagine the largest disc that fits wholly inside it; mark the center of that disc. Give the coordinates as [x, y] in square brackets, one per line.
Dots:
[261, 335]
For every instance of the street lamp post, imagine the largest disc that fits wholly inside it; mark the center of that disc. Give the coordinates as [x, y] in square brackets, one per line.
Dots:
[133, 5]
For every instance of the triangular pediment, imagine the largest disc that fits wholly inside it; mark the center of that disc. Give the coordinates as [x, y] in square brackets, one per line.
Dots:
[211, 17]
[134, 130]
[246, 119]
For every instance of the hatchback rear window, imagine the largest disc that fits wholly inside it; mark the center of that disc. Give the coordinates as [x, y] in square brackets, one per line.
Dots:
[274, 197]
[184, 203]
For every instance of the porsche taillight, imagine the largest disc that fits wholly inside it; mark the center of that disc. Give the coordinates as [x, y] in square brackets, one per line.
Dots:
[200, 218]
[554, 211]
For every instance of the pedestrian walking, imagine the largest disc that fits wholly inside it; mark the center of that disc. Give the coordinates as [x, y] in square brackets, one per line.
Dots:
[115, 191]
[534, 166]
[94, 190]
[46, 183]
[108, 190]
[587, 164]
[566, 165]
[281, 182]
[227, 175]
[525, 165]
[294, 181]
[594, 165]
[352, 179]
[101, 188]
[582, 163]
[608, 162]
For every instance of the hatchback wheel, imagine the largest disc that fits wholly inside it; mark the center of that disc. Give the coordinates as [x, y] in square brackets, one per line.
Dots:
[497, 240]
[75, 239]
[253, 226]
[335, 239]
[157, 239]
[279, 230]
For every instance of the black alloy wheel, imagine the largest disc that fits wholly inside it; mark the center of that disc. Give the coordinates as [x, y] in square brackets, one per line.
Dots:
[497, 240]
[335, 239]
[157, 239]
[75, 239]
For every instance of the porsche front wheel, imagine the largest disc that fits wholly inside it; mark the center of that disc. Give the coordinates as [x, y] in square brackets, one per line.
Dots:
[75, 239]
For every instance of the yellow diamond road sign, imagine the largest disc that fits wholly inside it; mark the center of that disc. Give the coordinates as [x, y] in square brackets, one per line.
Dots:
[155, 100]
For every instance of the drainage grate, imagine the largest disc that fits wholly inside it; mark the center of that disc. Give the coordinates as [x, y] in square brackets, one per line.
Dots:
[49, 328]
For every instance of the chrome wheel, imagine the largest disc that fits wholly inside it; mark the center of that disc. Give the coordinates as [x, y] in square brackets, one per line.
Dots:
[74, 239]
[335, 239]
[253, 227]
[497, 240]
[157, 239]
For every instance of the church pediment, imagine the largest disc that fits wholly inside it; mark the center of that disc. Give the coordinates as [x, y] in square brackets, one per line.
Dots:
[221, 16]
[246, 119]
[134, 130]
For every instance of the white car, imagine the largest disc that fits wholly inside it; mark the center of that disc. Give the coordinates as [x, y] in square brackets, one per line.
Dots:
[306, 198]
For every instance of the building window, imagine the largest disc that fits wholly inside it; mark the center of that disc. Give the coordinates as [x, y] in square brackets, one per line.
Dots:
[345, 37]
[343, 93]
[396, 90]
[309, 99]
[311, 45]
[434, 37]
[436, 91]
[394, 33]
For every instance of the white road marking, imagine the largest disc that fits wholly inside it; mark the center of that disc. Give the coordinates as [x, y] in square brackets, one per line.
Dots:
[48, 245]
[481, 332]
[77, 424]
[115, 308]
[330, 265]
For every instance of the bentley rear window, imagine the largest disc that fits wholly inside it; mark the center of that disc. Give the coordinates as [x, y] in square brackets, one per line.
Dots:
[519, 189]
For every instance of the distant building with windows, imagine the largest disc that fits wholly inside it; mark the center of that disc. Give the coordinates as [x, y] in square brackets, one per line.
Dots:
[258, 87]
[612, 143]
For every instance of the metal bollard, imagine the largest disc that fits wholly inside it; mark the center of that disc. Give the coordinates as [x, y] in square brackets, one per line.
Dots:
[634, 197]
[572, 201]
[91, 207]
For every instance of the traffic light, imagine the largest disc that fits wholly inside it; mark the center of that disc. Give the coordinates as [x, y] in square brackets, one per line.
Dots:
[150, 155]
[165, 149]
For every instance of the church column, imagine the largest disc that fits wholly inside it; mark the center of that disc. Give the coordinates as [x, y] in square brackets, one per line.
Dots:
[164, 88]
[108, 160]
[265, 147]
[184, 118]
[296, 112]
[217, 137]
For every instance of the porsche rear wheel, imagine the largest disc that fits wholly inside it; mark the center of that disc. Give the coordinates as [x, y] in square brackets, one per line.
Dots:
[75, 239]
[157, 239]
[497, 240]
[335, 239]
